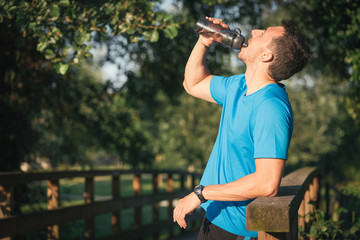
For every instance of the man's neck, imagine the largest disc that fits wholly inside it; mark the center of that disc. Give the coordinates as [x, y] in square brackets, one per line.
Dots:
[256, 79]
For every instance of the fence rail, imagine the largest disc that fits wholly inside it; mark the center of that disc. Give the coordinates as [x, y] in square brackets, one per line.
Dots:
[11, 225]
[277, 217]
[280, 217]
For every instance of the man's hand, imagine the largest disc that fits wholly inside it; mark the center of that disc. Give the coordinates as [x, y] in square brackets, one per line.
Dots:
[207, 42]
[185, 206]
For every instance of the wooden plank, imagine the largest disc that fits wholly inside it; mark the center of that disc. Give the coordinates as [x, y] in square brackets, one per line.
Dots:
[170, 188]
[155, 215]
[137, 192]
[9, 178]
[116, 215]
[307, 207]
[150, 229]
[53, 199]
[24, 224]
[275, 214]
[89, 195]
[6, 202]
[301, 213]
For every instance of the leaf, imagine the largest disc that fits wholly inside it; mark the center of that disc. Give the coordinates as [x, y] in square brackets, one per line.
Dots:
[42, 44]
[171, 32]
[61, 68]
[152, 36]
[64, 3]
[54, 12]
[82, 37]
[49, 54]
[168, 17]
[313, 230]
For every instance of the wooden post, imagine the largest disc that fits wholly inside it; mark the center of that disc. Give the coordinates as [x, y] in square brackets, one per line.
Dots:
[182, 182]
[6, 202]
[307, 207]
[192, 182]
[155, 218]
[170, 188]
[192, 186]
[137, 192]
[313, 195]
[327, 201]
[301, 214]
[53, 199]
[116, 216]
[89, 198]
[182, 188]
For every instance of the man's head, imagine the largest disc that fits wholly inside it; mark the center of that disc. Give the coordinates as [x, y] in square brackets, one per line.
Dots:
[282, 49]
[291, 53]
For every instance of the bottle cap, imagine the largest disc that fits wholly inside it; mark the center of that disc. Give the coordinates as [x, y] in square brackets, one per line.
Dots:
[238, 40]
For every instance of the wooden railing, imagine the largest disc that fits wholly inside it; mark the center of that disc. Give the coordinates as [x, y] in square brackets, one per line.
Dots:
[56, 215]
[280, 217]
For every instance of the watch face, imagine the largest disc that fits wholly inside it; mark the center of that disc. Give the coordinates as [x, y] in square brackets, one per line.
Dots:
[197, 189]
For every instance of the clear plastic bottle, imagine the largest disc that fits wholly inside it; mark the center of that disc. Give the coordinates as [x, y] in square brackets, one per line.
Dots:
[229, 38]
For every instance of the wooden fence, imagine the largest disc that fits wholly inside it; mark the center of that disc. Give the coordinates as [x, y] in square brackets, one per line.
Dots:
[56, 215]
[280, 217]
[276, 217]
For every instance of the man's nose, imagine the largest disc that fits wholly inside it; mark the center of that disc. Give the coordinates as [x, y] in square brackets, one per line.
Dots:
[255, 32]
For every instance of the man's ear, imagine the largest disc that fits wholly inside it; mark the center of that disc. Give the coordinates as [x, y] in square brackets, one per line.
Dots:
[267, 56]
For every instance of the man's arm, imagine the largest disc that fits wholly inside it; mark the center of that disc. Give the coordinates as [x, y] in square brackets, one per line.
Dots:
[197, 76]
[264, 182]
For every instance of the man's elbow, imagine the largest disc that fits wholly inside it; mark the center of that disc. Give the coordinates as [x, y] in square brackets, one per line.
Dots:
[270, 190]
[186, 87]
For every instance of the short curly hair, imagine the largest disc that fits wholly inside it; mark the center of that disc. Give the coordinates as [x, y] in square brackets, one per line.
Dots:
[291, 52]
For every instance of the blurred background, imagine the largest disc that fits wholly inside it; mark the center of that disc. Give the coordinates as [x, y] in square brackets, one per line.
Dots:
[98, 85]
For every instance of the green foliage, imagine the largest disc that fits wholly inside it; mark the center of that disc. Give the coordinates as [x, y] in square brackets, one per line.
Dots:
[100, 120]
[40, 41]
[183, 129]
[184, 138]
[332, 28]
[348, 227]
[321, 228]
[42, 38]
[58, 26]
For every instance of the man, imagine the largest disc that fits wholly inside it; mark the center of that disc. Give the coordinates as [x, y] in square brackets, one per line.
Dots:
[249, 154]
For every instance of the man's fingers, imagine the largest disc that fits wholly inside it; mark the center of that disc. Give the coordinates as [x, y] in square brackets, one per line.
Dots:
[181, 221]
[179, 217]
[218, 21]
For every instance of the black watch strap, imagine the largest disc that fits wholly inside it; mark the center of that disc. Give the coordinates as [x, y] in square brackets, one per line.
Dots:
[198, 191]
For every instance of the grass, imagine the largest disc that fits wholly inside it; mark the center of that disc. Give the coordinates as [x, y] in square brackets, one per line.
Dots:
[71, 194]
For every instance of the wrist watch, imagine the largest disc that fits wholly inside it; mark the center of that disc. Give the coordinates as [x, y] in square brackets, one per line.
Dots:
[198, 191]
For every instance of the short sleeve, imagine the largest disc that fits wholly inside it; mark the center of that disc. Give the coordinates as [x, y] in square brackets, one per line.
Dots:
[219, 86]
[272, 129]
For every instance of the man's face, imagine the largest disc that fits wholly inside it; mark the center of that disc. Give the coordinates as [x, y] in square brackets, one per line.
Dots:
[259, 41]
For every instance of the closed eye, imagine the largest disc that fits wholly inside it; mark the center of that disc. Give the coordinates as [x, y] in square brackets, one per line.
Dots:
[263, 32]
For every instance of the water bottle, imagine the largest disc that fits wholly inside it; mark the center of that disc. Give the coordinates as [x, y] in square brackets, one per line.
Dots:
[229, 38]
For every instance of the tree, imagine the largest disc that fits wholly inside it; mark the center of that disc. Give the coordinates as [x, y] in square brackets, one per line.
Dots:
[332, 28]
[38, 37]
[324, 102]
[332, 98]
[183, 129]
[98, 120]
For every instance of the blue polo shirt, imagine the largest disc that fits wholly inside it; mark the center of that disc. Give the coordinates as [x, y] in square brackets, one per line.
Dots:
[255, 126]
